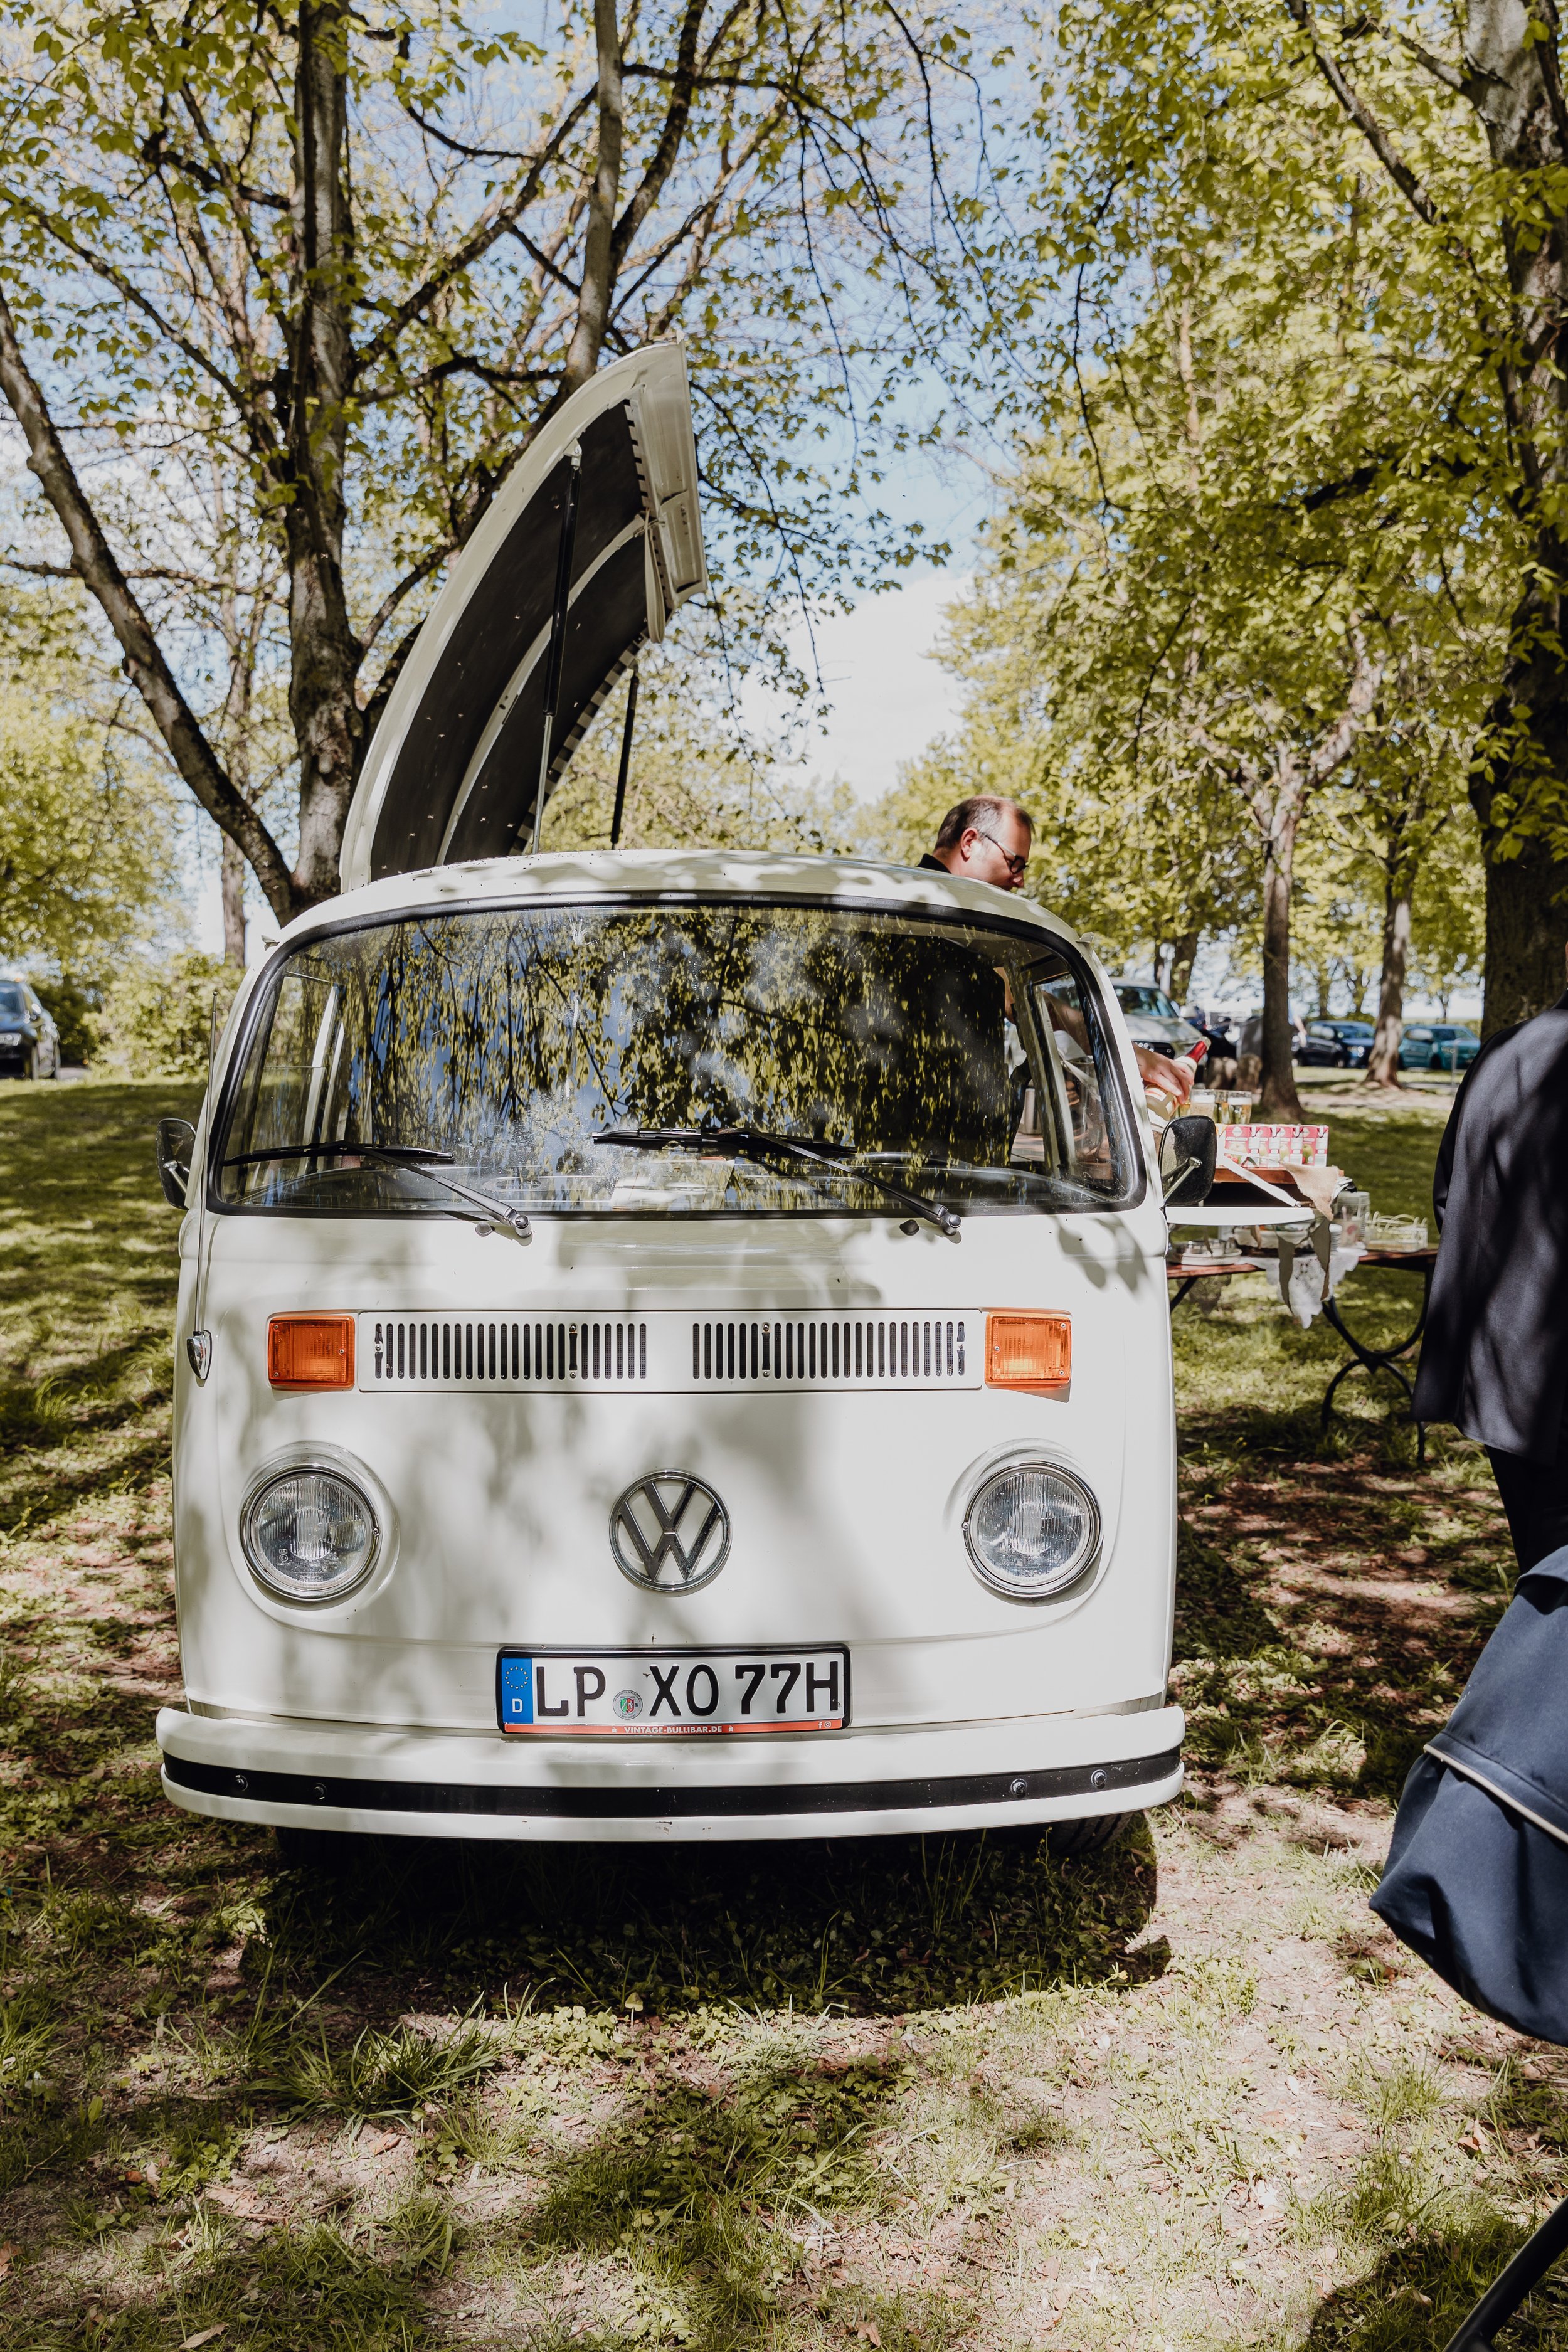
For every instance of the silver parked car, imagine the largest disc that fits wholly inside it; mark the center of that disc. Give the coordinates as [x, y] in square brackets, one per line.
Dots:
[1152, 1021]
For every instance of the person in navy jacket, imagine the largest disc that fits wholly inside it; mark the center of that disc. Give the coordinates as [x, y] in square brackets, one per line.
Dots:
[1494, 1361]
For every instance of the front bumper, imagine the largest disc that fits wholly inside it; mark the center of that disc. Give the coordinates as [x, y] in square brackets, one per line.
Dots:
[1019, 1771]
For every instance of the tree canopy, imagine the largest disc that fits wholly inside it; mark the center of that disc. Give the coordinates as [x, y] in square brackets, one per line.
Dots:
[356, 257]
[1247, 563]
[89, 840]
[1390, 187]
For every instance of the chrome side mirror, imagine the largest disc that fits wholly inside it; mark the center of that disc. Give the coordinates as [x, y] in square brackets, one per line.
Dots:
[176, 1141]
[1188, 1149]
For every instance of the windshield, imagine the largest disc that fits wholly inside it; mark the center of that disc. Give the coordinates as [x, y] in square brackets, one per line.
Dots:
[1147, 1000]
[12, 1004]
[963, 1061]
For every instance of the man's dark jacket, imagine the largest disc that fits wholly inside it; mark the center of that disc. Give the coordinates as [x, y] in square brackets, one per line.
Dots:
[1495, 1357]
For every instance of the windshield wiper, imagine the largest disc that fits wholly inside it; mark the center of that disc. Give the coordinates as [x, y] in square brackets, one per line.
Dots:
[413, 1153]
[757, 1143]
[404, 1159]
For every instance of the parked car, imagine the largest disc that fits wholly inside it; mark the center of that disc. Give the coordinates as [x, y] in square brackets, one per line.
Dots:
[1437, 1046]
[672, 1344]
[1152, 1021]
[30, 1042]
[1335, 1045]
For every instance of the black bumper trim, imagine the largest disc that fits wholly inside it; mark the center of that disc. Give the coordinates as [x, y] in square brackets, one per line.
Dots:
[601, 1803]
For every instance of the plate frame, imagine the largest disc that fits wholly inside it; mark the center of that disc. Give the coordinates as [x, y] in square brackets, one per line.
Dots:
[662, 1657]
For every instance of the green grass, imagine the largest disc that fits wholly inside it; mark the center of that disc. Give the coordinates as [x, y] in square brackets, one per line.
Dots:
[921, 2093]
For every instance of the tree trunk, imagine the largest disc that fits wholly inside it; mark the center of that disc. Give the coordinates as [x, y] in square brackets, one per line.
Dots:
[325, 652]
[598, 258]
[233, 873]
[1279, 1100]
[1521, 757]
[1383, 1062]
[1183, 955]
[1513, 79]
[1527, 914]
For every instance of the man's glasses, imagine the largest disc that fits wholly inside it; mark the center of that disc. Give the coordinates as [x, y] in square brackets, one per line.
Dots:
[1014, 865]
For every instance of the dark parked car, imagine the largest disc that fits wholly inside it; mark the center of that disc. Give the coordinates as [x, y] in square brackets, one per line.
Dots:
[1336, 1045]
[30, 1042]
[1438, 1046]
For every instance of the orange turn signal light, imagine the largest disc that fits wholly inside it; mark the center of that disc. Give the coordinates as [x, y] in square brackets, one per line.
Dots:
[310, 1352]
[1028, 1351]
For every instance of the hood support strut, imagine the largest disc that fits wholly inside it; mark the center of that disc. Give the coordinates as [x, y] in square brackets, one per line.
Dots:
[625, 758]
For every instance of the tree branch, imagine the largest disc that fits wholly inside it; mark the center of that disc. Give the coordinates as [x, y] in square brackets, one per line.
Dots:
[662, 161]
[461, 364]
[1449, 76]
[144, 663]
[1408, 182]
[1335, 746]
[126, 287]
[376, 702]
[146, 572]
[461, 146]
[598, 258]
[491, 224]
[156, 152]
[431, 561]
[537, 253]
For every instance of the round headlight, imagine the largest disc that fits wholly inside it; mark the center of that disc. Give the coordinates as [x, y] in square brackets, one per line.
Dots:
[310, 1533]
[1032, 1530]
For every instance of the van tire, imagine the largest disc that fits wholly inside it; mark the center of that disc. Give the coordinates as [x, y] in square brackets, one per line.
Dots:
[1075, 1840]
[310, 1849]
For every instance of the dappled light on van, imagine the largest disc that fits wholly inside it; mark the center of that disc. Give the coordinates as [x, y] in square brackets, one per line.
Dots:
[952, 1056]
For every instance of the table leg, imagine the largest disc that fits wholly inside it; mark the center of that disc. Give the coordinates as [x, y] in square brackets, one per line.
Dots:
[1379, 1359]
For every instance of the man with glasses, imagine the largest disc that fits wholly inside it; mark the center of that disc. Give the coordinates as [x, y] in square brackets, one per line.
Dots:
[985, 839]
[988, 839]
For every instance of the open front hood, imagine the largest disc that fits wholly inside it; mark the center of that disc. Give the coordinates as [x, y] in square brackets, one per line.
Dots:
[453, 767]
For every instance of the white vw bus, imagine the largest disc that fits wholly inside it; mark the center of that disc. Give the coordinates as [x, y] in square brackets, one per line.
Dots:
[672, 1345]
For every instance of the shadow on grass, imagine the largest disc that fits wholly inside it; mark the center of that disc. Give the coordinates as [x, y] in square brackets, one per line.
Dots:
[711, 2194]
[698, 2214]
[1412, 2299]
[1324, 1617]
[315, 2286]
[867, 1925]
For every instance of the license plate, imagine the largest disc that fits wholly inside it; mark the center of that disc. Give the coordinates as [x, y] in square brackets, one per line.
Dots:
[672, 1694]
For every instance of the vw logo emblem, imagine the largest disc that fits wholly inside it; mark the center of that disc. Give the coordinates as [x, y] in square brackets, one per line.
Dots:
[670, 1533]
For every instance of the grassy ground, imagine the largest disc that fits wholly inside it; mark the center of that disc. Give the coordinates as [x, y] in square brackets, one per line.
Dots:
[893, 2093]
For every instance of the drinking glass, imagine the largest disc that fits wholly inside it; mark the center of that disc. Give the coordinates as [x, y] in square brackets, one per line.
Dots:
[1351, 1212]
[1396, 1232]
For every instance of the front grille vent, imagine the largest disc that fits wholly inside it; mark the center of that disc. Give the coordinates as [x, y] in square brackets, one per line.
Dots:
[513, 1351]
[666, 1351]
[841, 1351]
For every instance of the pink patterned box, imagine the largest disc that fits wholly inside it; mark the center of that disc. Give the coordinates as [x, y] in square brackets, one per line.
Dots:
[1275, 1147]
